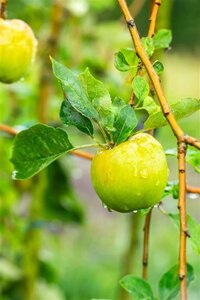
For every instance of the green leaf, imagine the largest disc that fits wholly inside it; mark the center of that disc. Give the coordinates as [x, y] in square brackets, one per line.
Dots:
[100, 98]
[120, 62]
[137, 287]
[172, 188]
[140, 88]
[158, 67]
[37, 147]
[74, 91]
[124, 124]
[150, 106]
[70, 116]
[180, 109]
[192, 157]
[148, 45]
[162, 39]
[126, 59]
[169, 283]
[193, 228]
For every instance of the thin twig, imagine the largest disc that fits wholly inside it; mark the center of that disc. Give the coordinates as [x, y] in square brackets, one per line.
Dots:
[130, 256]
[50, 48]
[181, 138]
[152, 27]
[183, 221]
[8, 129]
[3, 4]
[193, 189]
[146, 244]
[150, 70]
[153, 18]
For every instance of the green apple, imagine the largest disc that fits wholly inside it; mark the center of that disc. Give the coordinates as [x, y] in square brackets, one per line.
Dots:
[132, 175]
[17, 49]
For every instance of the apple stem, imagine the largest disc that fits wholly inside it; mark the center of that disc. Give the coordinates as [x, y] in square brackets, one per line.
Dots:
[3, 4]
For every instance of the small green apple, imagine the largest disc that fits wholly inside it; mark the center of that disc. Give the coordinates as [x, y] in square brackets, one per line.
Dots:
[17, 49]
[132, 175]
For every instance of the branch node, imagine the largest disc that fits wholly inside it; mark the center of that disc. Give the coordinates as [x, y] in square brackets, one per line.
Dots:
[181, 276]
[187, 233]
[131, 23]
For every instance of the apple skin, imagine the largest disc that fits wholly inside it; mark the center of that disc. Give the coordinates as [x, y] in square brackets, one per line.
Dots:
[132, 175]
[17, 49]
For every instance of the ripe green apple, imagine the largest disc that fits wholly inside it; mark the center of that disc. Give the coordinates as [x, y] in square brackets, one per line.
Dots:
[17, 49]
[132, 175]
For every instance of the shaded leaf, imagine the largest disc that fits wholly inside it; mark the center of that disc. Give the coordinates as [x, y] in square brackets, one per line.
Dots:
[169, 284]
[162, 38]
[37, 147]
[124, 124]
[181, 109]
[137, 287]
[74, 91]
[148, 45]
[70, 116]
[193, 228]
[60, 200]
[140, 88]
[158, 67]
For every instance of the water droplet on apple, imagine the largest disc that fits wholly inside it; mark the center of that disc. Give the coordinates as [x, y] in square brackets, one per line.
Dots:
[135, 211]
[144, 173]
[157, 182]
[106, 207]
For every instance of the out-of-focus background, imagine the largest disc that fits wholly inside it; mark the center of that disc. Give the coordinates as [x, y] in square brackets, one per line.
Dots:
[56, 240]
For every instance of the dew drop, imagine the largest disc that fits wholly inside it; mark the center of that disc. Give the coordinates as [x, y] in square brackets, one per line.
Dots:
[157, 182]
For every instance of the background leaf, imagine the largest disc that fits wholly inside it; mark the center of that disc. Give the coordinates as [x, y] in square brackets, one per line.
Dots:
[74, 91]
[192, 157]
[169, 283]
[193, 228]
[60, 199]
[162, 38]
[172, 188]
[70, 116]
[37, 147]
[181, 109]
[137, 287]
